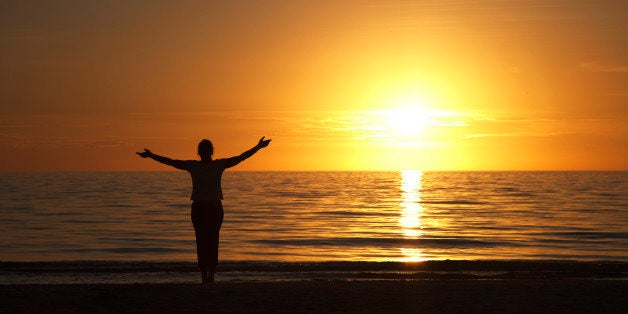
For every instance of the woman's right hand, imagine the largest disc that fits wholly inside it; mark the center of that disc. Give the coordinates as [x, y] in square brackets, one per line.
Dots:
[145, 153]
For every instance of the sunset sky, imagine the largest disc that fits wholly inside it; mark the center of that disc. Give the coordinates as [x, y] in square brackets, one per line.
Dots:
[337, 85]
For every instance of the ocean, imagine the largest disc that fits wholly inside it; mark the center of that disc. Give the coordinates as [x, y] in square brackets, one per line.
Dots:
[292, 218]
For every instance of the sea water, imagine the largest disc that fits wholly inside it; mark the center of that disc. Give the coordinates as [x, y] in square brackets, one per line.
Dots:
[319, 216]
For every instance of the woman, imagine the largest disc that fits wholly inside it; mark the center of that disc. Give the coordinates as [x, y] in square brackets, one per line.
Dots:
[207, 212]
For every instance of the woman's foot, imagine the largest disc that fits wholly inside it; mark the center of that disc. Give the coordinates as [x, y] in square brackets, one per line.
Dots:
[207, 279]
[204, 275]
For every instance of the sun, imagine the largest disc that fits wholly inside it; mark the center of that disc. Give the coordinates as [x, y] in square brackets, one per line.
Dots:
[409, 115]
[408, 121]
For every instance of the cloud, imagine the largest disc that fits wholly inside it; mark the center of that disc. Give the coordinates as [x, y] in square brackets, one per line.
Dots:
[107, 144]
[617, 93]
[23, 142]
[517, 134]
[541, 127]
[360, 126]
[597, 67]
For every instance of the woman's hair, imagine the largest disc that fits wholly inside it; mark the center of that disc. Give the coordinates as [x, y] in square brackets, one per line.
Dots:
[205, 147]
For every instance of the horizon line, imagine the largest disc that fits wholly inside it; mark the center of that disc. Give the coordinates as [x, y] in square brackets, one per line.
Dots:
[349, 170]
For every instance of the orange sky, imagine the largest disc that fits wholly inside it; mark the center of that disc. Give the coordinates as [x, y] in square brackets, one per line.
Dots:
[337, 85]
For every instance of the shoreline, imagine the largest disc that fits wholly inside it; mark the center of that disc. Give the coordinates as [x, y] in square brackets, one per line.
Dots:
[144, 272]
[230, 265]
[321, 296]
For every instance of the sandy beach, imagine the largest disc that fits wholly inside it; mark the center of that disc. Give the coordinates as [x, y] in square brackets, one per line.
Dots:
[325, 296]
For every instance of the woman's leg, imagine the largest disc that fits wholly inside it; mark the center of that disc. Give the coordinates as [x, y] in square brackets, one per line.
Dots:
[207, 219]
[217, 216]
[199, 213]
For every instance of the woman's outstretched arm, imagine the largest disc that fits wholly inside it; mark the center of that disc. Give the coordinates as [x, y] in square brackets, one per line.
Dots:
[179, 164]
[238, 159]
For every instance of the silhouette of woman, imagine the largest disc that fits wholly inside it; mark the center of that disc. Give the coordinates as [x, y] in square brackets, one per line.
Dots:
[207, 213]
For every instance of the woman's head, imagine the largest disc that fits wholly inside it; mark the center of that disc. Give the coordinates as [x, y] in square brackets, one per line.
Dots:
[205, 148]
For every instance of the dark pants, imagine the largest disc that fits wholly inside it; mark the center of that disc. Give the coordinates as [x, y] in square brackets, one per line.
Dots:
[207, 218]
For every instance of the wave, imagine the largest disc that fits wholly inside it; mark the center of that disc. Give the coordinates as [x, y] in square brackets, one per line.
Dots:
[133, 272]
[348, 213]
[237, 266]
[590, 235]
[155, 250]
[449, 242]
[454, 202]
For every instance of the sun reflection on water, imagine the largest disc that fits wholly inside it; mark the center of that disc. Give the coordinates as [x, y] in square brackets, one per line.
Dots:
[411, 212]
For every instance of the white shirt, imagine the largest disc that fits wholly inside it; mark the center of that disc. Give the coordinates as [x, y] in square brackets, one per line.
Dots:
[206, 179]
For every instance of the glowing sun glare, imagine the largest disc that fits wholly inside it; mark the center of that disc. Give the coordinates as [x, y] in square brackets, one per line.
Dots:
[408, 115]
[408, 120]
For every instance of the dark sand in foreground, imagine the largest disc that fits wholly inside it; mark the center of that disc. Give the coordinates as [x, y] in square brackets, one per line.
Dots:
[384, 296]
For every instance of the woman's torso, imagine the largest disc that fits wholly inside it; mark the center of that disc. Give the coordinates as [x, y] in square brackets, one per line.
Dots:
[206, 177]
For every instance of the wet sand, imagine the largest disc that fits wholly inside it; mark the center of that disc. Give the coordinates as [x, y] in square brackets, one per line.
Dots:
[325, 296]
